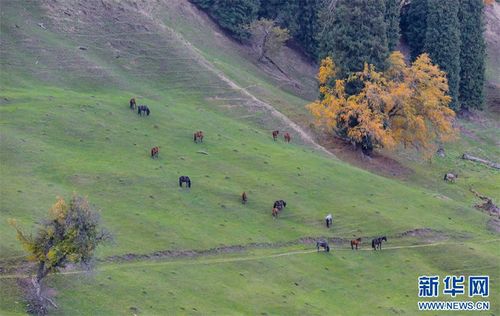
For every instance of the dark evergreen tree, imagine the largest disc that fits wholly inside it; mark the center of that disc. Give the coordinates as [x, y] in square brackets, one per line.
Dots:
[325, 34]
[300, 17]
[392, 23]
[414, 26]
[442, 42]
[354, 34]
[308, 20]
[284, 12]
[472, 54]
[232, 15]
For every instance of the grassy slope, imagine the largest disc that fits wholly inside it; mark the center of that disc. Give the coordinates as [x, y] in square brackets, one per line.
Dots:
[65, 130]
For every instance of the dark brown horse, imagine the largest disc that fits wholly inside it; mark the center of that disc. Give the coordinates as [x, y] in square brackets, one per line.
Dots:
[275, 135]
[287, 137]
[198, 136]
[132, 104]
[355, 243]
[155, 151]
[244, 198]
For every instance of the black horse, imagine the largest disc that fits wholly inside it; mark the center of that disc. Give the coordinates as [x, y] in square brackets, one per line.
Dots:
[377, 242]
[280, 204]
[324, 244]
[143, 108]
[183, 179]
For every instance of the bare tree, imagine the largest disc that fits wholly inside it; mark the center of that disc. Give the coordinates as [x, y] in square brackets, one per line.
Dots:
[267, 37]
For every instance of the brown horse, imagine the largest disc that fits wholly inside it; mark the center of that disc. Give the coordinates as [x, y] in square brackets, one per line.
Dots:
[355, 242]
[244, 198]
[132, 104]
[155, 151]
[198, 136]
[287, 137]
[275, 212]
[275, 135]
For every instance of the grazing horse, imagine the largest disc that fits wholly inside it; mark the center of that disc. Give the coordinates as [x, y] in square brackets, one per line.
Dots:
[155, 151]
[275, 212]
[244, 198]
[132, 104]
[280, 204]
[183, 179]
[143, 108]
[287, 137]
[450, 177]
[329, 220]
[275, 135]
[356, 242]
[377, 242]
[324, 244]
[198, 136]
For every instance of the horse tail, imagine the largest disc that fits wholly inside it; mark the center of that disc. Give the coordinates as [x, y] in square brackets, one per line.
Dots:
[445, 176]
[373, 243]
[352, 245]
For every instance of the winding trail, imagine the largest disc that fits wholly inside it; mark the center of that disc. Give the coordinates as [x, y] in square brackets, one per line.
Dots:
[108, 266]
[202, 61]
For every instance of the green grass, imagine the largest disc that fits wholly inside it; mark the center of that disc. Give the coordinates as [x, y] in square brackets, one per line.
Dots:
[65, 130]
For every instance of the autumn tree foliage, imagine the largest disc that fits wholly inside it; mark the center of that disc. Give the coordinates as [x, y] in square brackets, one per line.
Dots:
[70, 234]
[267, 37]
[405, 105]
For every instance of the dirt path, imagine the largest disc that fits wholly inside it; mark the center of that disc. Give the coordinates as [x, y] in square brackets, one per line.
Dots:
[254, 101]
[214, 260]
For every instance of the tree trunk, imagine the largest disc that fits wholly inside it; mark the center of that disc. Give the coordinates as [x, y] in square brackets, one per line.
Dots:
[37, 286]
[40, 274]
[483, 161]
[263, 51]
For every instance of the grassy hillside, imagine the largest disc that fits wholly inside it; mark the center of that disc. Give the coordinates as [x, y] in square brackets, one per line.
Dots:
[66, 127]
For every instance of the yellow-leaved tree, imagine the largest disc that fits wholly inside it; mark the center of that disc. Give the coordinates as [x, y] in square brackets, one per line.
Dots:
[70, 234]
[405, 105]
